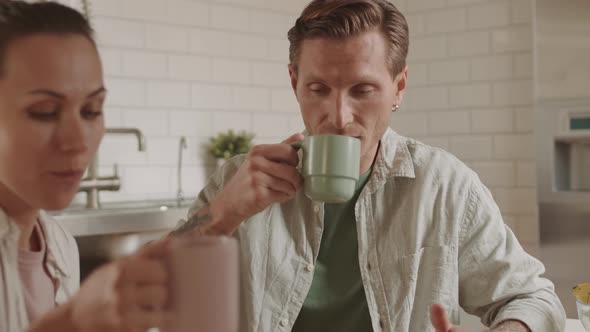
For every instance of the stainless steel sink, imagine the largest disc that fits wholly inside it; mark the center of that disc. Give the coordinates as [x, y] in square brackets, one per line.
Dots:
[121, 220]
[105, 234]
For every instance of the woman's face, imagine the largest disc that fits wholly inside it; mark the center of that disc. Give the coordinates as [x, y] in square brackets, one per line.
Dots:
[51, 122]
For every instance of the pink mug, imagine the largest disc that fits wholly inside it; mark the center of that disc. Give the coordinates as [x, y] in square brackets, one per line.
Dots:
[204, 284]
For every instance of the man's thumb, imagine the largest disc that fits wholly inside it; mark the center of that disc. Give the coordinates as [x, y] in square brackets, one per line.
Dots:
[439, 319]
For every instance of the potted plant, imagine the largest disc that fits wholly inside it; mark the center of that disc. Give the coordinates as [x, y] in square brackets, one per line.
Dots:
[229, 144]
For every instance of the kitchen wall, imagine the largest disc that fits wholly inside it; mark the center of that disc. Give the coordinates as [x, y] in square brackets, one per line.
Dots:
[563, 48]
[471, 93]
[195, 68]
[192, 68]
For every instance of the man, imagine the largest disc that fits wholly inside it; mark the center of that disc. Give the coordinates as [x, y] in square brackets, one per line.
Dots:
[421, 238]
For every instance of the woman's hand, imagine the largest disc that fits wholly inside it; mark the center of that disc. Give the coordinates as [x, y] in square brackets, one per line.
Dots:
[126, 295]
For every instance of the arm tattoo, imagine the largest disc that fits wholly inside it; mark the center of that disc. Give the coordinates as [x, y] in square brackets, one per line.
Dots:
[199, 221]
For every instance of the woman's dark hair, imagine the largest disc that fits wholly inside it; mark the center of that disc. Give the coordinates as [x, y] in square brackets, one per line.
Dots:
[20, 19]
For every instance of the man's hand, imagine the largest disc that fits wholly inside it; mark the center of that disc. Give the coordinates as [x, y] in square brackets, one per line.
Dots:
[268, 175]
[441, 323]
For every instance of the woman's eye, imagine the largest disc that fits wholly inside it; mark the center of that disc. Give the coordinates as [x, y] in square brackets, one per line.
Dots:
[44, 112]
[43, 116]
[91, 114]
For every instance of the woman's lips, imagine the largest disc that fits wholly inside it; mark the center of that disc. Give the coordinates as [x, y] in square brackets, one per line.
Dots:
[73, 175]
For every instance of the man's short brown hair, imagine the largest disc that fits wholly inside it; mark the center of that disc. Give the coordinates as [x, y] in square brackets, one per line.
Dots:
[340, 19]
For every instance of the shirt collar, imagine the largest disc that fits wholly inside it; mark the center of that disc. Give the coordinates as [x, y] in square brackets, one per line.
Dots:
[55, 256]
[8, 228]
[393, 160]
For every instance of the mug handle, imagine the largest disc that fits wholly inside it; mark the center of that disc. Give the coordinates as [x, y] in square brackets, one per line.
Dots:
[297, 145]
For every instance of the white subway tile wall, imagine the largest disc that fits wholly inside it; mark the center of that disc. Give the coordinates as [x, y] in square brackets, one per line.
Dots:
[471, 92]
[196, 68]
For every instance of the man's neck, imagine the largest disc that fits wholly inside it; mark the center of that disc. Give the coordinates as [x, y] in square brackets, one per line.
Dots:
[368, 159]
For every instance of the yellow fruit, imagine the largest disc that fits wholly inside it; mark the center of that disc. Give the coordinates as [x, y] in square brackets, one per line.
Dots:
[582, 292]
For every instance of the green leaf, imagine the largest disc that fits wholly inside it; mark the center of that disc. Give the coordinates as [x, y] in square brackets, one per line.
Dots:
[229, 144]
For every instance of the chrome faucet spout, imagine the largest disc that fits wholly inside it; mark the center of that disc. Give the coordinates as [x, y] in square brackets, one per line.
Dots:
[141, 142]
[92, 184]
[181, 146]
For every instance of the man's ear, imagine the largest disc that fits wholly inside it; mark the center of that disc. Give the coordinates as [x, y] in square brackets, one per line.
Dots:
[401, 84]
[293, 76]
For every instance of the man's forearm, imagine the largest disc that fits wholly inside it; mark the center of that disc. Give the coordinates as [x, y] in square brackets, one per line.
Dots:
[511, 326]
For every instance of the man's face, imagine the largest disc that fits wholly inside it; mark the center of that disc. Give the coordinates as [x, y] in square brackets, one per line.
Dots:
[51, 97]
[345, 87]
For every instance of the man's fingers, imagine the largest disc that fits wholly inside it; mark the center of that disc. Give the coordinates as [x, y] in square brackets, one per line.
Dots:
[268, 184]
[439, 319]
[280, 153]
[294, 138]
[280, 197]
[280, 171]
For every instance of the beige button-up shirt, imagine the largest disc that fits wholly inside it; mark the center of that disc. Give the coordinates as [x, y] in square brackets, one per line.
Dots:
[62, 263]
[428, 232]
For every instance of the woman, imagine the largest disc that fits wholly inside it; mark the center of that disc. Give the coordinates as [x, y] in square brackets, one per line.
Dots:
[51, 124]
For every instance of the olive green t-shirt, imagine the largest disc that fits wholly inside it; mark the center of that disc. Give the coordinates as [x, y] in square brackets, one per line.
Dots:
[336, 300]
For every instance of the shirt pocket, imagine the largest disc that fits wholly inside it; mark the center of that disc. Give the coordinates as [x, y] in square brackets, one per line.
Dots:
[429, 276]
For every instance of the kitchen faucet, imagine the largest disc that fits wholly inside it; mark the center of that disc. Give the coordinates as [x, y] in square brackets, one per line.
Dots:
[92, 184]
[181, 146]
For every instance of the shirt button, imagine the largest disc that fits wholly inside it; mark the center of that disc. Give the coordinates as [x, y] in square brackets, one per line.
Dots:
[309, 268]
[284, 322]
[316, 209]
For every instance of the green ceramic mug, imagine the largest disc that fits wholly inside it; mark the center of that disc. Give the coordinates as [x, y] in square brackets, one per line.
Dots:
[330, 167]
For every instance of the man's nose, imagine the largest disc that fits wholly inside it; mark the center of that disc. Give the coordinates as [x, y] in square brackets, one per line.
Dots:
[341, 115]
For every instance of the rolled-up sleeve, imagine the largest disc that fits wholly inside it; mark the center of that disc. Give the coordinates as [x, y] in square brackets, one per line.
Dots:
[498, 280]
[215, 183]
